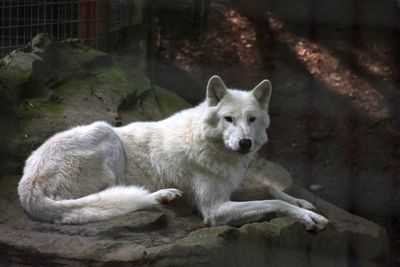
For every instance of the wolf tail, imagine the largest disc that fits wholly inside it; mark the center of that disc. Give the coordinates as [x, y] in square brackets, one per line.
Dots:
[107, 204]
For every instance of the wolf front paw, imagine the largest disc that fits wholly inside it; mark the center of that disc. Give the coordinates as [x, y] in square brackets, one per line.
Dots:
[309, 219]
[166, 196]
[313, 221]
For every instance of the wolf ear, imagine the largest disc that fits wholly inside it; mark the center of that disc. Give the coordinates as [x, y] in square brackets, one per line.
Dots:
[216, 90]
[262, 92]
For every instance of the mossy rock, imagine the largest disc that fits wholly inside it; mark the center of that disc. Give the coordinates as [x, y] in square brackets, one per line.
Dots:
[111, 94]
[51, 86]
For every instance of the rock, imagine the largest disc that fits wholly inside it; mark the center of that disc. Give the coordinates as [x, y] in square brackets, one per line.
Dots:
[125, 238]
[68, 84]
[87, 57]
[174, 236]
[364, 237]
[12, 80]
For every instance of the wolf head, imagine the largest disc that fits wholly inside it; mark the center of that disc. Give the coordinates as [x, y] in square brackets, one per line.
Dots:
[237, 118]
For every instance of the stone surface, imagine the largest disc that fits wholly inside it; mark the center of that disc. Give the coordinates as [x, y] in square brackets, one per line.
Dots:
[51, 86]
[121, 239]
[175, 236]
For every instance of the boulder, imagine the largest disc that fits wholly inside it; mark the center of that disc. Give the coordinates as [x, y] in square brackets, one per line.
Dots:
[175, 236]
[51, 86]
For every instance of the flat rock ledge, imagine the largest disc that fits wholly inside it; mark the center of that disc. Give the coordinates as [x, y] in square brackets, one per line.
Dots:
[175, 236]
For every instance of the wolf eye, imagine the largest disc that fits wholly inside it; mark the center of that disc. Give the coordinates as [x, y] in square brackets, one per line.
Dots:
[252, 119]
[228, 118]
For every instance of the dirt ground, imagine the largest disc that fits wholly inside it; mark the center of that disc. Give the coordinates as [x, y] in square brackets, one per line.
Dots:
[336, 102]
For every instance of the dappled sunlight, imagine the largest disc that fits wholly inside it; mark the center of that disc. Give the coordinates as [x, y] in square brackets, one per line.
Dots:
[234, 45]
[374, 63]
[341, 79]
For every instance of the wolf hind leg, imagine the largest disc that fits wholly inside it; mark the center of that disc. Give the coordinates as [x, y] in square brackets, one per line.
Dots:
[110, 203]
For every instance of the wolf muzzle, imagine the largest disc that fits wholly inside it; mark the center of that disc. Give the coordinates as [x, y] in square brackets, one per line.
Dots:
[245, 145]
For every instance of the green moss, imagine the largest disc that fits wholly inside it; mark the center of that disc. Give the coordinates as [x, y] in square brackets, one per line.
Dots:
[127, 81]
[170, 102]
[31, 109]
[116, 77]
[71, 87]
[130, 85]
[116, 73]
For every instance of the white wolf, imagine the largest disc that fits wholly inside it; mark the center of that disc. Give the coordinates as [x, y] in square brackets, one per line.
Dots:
[97, 172]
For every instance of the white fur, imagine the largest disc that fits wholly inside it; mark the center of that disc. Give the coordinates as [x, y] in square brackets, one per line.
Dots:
[91, 173]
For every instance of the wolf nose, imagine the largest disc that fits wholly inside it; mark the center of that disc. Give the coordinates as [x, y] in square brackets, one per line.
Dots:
[245, 144]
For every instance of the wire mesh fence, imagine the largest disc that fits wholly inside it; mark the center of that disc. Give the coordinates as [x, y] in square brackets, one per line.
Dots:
[89, 20]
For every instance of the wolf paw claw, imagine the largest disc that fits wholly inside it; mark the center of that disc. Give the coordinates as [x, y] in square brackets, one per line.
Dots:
[304, 204]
